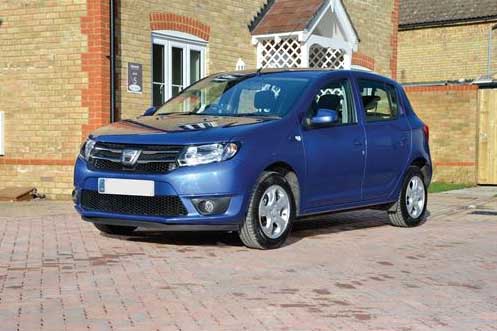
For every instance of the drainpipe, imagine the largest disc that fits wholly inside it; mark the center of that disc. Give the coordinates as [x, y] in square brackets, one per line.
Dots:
[490, 49]
[112, 63]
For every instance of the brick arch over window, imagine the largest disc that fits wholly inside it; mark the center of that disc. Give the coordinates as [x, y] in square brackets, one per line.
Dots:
[170, 21]
[363, 60]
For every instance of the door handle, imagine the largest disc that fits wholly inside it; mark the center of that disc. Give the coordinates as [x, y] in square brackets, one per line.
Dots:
[403, 141]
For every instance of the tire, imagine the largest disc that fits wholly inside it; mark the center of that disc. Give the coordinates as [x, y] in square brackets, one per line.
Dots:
[410, 213]
[115, 229]
[264, 226]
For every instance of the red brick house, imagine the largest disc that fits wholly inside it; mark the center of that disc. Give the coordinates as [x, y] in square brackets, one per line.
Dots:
[56, 59]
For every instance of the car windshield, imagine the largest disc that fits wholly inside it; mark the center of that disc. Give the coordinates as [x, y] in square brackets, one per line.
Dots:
[268, 95]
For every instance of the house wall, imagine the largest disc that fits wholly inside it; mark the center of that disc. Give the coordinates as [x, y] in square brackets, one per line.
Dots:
[451, 112]
[376, 23]
[41, 92]
[445, 53]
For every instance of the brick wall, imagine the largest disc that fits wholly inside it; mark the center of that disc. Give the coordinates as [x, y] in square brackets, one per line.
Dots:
[40, 92]
[451, 113]
[446, 53]
[376, 23]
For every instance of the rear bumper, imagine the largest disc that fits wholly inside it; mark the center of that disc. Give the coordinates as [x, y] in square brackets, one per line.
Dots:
[163, 226]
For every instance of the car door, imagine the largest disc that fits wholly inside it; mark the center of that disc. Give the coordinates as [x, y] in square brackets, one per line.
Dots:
[387, 137]
[334, 153]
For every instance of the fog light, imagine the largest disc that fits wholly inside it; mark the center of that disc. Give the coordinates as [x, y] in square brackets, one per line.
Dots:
[206, 206]
[211, 206]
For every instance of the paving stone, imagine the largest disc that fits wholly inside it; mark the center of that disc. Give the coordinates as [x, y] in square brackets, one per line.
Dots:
[347, 271]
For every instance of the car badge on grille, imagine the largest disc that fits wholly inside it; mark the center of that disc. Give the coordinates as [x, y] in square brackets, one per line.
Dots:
[130, 156]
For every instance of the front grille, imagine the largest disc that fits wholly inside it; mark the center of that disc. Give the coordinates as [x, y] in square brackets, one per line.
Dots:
[168, 205]
[152, 159]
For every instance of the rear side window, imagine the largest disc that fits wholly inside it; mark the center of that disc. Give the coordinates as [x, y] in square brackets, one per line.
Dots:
[379, 100]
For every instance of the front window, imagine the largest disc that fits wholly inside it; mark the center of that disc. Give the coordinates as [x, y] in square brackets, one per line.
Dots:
[238, 95]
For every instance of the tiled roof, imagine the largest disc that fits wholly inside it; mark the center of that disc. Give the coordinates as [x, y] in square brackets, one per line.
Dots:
[286, 16]
[418, 13]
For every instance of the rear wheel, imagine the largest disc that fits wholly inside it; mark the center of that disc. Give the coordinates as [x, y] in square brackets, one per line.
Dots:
[270, 214]
[410, 208]
[115, 229]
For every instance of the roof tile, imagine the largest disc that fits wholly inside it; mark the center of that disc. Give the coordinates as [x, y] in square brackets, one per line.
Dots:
[415, 13]
[287, 16]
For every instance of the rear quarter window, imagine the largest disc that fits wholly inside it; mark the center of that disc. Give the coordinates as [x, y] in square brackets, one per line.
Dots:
[379, 100]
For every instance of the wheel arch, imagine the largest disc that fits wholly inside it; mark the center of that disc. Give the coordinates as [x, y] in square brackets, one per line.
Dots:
[287, 171]
[424, 165]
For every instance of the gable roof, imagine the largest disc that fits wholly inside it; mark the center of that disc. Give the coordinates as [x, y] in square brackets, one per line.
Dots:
[426, 13]
[286, 16]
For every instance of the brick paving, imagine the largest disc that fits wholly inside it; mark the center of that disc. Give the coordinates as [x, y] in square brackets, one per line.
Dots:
[348, 271]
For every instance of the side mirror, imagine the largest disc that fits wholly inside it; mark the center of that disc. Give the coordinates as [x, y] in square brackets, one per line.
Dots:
[324, 117]
[150, 111]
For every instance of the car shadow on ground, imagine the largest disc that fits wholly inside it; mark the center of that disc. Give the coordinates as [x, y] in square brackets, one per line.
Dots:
[303, 228]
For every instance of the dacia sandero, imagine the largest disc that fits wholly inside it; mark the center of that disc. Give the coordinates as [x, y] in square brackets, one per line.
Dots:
[254, 151]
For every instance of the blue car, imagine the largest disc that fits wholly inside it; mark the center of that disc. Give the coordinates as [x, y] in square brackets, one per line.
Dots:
[253, 151]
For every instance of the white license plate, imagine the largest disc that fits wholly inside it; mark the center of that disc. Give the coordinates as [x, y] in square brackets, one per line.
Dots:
[135, 187]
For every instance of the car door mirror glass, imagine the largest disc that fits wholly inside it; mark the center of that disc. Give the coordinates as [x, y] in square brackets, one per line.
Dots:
[324, 117]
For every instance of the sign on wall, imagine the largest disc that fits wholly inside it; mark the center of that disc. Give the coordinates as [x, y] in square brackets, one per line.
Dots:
[135, 78]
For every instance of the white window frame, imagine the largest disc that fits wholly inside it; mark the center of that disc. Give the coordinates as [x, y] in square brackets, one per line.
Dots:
[187, 42]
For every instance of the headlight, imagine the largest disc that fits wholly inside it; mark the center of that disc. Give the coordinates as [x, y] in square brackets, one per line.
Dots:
[86, 149]
[203, 154]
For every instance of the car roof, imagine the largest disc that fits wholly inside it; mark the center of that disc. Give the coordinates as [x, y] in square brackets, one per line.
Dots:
[312, 73]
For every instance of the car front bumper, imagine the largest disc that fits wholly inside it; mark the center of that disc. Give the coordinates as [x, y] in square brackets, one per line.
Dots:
[220, 180]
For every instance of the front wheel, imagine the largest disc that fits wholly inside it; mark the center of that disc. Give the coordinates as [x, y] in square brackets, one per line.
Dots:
[270, 213]
[410, 208]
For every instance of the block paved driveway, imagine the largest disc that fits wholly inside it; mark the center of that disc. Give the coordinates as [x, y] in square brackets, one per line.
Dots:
[347, 271]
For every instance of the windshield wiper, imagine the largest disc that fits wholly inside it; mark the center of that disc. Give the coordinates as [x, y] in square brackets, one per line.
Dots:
[256, 115]
[177, 113]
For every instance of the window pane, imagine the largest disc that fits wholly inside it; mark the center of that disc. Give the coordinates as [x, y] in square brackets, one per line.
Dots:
[379, 101]
[336, 96]
[158, 63]
[175, 90]
[177, 66]
[158, 95]
[195, 68]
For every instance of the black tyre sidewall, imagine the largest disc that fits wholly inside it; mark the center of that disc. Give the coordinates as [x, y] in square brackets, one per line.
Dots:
[264, 240]
[413, 171]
